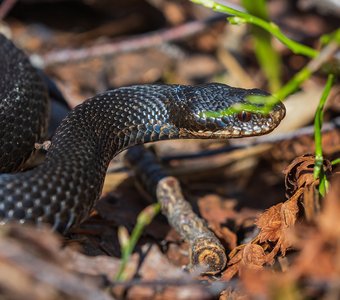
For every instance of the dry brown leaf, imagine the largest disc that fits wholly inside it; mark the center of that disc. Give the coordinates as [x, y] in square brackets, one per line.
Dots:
[235, 257]
[236, 254]
[293, 172]
[266, 284]
[270, 223]
[319, 243]
[34, 268]
[289, 210]
[231, 294]
[256, 282]
[329, 219]
[299, 175]
[318, 257]
[230, 272]
[228, 237]
[284, 152]
[254, 256]
[275, 225]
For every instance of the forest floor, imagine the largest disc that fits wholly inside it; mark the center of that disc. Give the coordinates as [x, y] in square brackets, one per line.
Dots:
[258, 196]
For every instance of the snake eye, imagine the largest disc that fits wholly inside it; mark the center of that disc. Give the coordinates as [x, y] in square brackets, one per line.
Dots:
[244, 116]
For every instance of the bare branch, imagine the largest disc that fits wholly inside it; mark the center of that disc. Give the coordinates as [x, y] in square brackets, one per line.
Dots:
[152, 39]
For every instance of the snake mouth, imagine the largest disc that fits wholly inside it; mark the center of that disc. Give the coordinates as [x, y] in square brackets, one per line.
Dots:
[235, 126]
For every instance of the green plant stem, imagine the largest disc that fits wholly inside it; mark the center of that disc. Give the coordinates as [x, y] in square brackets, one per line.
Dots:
[267, 102]
[330, 37]
[267, 57]
[292, 85]
[335, 161]
[243, 17]
[128, 244]
[318, 120]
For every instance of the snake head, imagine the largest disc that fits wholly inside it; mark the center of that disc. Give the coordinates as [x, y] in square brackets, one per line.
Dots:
[195, 122]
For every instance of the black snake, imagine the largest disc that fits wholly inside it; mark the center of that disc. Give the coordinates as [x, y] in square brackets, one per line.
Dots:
[63, 189]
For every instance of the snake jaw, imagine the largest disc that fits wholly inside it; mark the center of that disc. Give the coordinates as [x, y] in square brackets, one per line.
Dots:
[229, 127]
[217, 98]
[188, 112]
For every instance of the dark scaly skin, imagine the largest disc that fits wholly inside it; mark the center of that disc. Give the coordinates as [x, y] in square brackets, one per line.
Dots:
[23, 107]
[65, 187]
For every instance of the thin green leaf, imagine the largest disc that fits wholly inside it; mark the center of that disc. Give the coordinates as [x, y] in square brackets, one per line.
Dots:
[129, 243]
[318, 120]
[335, 161]
[267, 56]
[268, 26]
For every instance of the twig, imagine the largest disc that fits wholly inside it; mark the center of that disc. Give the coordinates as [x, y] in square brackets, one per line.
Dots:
[269, 139]
[308, 130]
[206, 251]
[232, 65]
[314, 65]
[186, 283]
[5, 7]
[143, 41]
[213, 287]
[325, 54]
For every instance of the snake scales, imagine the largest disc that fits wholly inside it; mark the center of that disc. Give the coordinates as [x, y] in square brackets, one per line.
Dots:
[63, 189]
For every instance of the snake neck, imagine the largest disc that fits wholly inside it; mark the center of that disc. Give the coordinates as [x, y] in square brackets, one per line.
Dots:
[63, 189]
[110, 123]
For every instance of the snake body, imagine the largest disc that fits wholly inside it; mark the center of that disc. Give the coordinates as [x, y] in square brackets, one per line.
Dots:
[63, 189]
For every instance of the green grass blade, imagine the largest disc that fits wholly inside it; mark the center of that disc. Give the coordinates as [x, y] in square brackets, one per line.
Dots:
[267, 57]
[318, 120]
[129, 243]
[335, 161]
[272, 28]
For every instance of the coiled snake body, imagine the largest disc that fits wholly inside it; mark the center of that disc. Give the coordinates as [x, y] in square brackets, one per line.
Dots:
[63, 189]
